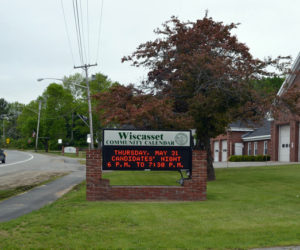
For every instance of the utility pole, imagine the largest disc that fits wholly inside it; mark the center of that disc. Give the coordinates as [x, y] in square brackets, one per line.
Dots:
[85, 67]
[3, 117]
[72, 126]
[38, 126]
[3, 133]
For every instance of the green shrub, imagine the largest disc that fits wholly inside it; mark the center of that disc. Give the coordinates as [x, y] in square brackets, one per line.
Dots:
[237, 158]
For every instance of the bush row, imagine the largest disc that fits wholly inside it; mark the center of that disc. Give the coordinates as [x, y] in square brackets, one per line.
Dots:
[249, 158]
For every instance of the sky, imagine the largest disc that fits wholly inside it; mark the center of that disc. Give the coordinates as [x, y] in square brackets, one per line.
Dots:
[38, 38]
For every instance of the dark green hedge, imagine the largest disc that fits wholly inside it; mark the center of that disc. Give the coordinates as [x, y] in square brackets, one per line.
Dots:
[249, 158]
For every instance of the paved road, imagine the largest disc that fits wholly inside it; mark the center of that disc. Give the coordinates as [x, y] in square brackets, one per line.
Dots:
[14, 157]
[19, 163]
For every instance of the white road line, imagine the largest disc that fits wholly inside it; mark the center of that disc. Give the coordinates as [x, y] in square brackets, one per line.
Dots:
[18, 162]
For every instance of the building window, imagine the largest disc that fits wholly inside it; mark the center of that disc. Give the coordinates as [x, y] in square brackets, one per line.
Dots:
[255, 148]
[249, 148]
[265, 147]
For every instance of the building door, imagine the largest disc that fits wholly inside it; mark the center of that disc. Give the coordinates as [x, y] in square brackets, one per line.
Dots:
[238, 148]
[284, 143]
[224, 150]
[216, 151]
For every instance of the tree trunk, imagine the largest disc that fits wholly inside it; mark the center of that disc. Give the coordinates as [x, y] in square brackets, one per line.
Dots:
[46, 145]
[210, 167]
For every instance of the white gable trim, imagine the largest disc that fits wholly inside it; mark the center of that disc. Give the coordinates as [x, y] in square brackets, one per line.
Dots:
[237, 129]
[290, 78]
[257, 138]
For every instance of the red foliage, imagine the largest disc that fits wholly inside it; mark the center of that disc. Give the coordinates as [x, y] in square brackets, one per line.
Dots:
[129, 106]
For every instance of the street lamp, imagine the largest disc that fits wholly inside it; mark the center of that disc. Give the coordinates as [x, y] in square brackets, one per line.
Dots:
[87, 87]
[59, 79]
[49, 78]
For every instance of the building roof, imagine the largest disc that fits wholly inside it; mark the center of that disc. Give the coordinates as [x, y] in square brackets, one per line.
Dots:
[241, 126]
[261, 133]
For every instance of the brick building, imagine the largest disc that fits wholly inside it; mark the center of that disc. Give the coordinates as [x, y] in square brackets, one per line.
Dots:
[285, 128]
[231, 143]
[279, 138]
[242, 139]
[258, 142]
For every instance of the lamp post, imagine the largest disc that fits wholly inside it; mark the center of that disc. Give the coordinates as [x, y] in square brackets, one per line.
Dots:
[87, 87]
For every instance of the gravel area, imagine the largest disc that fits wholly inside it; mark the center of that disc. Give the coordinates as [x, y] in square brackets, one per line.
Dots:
[13, 180]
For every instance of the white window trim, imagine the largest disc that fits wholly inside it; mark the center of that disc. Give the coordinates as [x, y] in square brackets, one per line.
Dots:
[249, 148]
[255, 148]
[265, 147]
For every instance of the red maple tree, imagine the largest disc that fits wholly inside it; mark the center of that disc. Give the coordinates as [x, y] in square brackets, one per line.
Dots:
[200, 76]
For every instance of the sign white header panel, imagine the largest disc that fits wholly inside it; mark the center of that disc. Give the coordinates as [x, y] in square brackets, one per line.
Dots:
[71, 150]
[147, 138]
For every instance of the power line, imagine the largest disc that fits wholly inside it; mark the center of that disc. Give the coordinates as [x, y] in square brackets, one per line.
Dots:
[99, 30]
[88, 29]
[75, 20]
[82, 31]
[78, 33]
[67, 31]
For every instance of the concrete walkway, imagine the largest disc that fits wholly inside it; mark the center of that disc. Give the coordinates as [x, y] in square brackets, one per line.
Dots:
[229, 164]
[38, 197]
[279, 248]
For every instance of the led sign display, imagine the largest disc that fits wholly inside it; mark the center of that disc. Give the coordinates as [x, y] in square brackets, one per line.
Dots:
[140, 150]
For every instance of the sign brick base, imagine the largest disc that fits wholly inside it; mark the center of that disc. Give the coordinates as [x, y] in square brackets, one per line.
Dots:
[97, 189]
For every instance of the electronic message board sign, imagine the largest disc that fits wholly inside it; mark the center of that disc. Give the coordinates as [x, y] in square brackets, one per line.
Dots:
[140, 150]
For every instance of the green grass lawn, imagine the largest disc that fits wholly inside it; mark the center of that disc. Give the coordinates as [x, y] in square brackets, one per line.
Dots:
[245, 208]
[147, 178]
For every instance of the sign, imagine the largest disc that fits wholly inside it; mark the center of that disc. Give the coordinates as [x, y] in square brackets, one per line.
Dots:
[59, 141]
[140, 150]
[147, 138]
[88, 138]
[70, 150]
